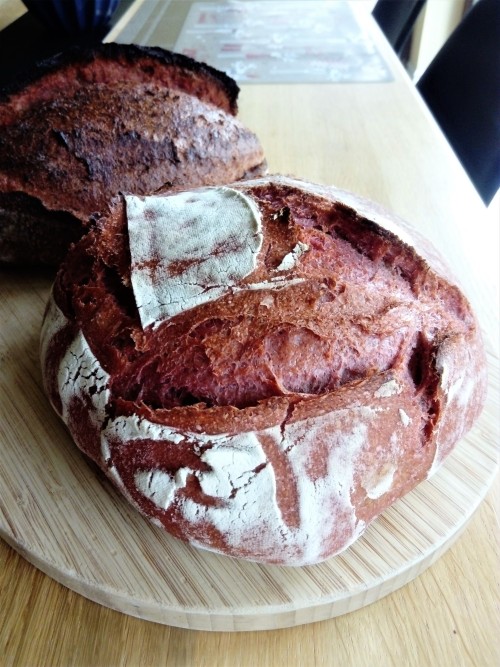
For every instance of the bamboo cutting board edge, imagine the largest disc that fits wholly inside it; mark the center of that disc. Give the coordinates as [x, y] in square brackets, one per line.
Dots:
[267, 616]
[246, 619]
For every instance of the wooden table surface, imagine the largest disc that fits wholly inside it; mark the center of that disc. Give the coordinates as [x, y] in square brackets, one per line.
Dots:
[378, 140]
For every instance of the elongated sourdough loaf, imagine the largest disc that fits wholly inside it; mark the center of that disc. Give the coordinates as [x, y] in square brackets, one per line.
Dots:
[262, 368]
[89, 123]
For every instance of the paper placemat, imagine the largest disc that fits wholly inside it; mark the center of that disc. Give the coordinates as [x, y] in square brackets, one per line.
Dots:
[282, 41]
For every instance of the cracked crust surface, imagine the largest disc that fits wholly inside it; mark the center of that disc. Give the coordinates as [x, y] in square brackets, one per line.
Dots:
[88, 124]
[276, 421]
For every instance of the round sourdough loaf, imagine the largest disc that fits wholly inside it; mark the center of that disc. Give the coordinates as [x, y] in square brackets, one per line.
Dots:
[261, 368]
[89, 123]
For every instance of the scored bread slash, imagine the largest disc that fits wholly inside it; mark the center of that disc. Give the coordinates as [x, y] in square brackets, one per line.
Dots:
[261, 368]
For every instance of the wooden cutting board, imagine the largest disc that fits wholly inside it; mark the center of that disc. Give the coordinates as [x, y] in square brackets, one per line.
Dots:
[60, 513]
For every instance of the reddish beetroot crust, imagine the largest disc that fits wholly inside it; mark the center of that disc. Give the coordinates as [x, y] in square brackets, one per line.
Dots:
[370, 362]
[368, 305]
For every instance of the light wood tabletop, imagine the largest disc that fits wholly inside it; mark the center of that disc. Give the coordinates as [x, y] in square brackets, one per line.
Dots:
[378, 140]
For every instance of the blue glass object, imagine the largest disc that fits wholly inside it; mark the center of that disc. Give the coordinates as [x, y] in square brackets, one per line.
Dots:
[73, 16]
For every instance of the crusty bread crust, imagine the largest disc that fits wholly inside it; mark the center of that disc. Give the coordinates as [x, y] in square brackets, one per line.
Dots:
[88, 124]
[107, 63]
[276, 420]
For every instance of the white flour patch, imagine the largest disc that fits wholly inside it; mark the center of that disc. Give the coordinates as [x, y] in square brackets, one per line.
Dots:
[379, 482]
[405, 419]
[274, 283]
[325, 501]
[388, 389]
[289, 260]
[81, 375]
[159, 486]
[187, 249]
[242, 480]
[267, 301]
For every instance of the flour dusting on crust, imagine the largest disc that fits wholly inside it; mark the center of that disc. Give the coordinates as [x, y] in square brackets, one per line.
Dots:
[316, 370]
[241, 483]
[188, 248]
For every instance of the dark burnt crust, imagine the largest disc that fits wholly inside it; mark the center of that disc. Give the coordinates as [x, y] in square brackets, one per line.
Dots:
[81, 144]
[110, 137]
[131, 54]
[30, 234]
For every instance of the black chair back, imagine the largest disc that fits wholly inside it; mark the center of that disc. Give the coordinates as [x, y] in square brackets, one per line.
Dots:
[461, 86]
[397, 18]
